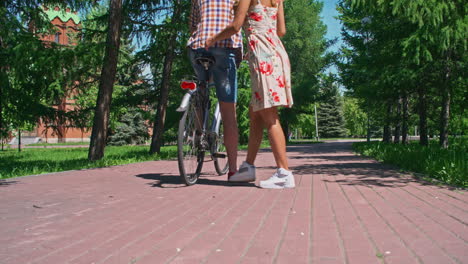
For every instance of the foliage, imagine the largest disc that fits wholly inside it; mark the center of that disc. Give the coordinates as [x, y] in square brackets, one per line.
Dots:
[131, 130]
[330, 113]
[405, 50]
[447, 165]
[355, 117]
[33, 75]
[305, 43]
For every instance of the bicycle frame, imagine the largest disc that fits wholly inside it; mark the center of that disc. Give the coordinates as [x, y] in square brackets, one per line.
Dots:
[216, 115]
[201, 135]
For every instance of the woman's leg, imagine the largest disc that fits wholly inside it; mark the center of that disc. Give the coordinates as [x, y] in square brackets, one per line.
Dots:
[255, 135]
[275, 134]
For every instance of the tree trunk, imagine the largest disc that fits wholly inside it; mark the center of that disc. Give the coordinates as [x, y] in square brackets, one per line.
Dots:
[404, 132]
[3, 83]
[387, 135]
[160, 120]
[423, 139]
[397, 131]
[368, 136]
[106, 83]
[445, 111]
[19, 140]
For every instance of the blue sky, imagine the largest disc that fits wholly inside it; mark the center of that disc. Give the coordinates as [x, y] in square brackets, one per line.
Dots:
[328, 14]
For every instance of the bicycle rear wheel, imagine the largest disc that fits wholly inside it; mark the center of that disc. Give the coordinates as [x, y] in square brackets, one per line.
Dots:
[219, 151]
[189, 148]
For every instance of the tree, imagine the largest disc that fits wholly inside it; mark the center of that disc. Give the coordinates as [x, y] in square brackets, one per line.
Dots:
[106, 84]
[172, 34]
[437, 35]
[330, 113]
[131, 130]
[355, 117]
[306, 45]
[33, 74]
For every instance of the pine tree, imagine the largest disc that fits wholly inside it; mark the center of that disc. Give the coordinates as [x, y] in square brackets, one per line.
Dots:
[330, 112]
[130, 131]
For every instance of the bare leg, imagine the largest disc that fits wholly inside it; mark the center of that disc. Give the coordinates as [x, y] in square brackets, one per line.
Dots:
[231, 134]
[255, 136]
[276, 136]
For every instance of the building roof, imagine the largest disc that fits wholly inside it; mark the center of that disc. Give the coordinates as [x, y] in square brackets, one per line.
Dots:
[62, 15]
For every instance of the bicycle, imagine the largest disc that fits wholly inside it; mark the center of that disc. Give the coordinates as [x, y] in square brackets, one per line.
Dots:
[196, 135]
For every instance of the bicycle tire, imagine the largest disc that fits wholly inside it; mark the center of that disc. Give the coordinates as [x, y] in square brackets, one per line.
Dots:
[188, 149]
[221, 163]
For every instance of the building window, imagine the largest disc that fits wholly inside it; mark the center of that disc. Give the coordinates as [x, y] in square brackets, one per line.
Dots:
[57, 37]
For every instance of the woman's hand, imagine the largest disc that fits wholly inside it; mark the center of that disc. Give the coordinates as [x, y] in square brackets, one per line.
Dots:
[234, 27]
[209, 42]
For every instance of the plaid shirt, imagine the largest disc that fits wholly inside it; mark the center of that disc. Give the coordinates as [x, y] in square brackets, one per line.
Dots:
[208, 18]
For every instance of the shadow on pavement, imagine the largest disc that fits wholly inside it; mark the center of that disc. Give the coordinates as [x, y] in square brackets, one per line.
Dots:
[174, 181]
[355, 170]
[4, 183]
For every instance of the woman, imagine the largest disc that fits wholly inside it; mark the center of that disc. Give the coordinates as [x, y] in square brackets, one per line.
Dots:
[263, 22]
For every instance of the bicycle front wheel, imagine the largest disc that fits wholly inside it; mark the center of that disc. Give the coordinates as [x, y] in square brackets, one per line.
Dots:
[189, 146]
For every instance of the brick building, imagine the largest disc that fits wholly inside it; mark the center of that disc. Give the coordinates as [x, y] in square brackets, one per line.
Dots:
[68, 24]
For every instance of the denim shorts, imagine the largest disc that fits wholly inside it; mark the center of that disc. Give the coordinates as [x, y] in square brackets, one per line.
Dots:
[224, 71]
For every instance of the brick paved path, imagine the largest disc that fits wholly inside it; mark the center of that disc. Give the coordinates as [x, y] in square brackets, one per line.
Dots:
[345, 209]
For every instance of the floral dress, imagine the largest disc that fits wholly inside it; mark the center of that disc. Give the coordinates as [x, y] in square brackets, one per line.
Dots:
[269, 63]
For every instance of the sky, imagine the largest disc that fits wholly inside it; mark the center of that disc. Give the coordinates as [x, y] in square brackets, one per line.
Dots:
[328, 14]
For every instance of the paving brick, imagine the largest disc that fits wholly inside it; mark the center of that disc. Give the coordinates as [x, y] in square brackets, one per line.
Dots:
[344, 209]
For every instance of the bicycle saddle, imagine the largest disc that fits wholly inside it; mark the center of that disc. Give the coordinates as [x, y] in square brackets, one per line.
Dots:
[205, 61]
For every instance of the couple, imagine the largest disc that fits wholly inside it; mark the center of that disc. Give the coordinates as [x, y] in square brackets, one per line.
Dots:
[215, 30]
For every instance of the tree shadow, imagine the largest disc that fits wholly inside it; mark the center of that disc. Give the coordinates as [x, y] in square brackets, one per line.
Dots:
[366, 174]
[357, 170]
[331, 157]
[175, 181]
[4, 182]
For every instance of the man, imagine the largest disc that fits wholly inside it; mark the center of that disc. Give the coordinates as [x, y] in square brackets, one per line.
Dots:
[207, 18]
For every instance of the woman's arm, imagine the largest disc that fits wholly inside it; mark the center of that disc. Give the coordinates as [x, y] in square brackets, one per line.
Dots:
[280, 24]
[234, 27]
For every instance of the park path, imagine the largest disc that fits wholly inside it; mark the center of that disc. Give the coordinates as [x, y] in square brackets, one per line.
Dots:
[345, 209]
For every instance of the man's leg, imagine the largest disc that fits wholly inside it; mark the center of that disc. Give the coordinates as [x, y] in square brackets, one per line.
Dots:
[231, 135]
[225, 78]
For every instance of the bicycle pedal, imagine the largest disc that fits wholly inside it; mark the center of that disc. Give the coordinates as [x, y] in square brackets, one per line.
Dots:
[219, 155]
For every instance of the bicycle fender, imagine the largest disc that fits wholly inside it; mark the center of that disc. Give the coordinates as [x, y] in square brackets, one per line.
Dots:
[185, 102]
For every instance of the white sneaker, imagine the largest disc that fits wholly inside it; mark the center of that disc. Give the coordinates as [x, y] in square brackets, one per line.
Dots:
[281, 179]
[246, 173]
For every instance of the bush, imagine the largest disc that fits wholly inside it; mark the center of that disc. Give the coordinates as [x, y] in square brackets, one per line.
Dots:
[131, 130]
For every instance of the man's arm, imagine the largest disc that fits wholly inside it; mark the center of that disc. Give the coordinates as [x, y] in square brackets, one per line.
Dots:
[194, 16]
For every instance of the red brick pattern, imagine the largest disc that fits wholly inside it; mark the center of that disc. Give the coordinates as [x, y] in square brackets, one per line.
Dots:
[345, 209]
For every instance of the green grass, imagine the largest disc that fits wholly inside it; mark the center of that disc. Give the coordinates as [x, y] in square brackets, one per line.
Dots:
[303, 141]
[447, 165]
[38, 161]
[31, 161]
[61, 144]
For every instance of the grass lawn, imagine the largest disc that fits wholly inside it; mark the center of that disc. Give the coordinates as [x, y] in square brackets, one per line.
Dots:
[38, 161]
[446, 165]
[31, 161]
[61, 144]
